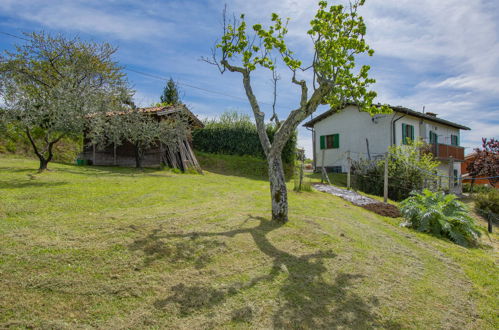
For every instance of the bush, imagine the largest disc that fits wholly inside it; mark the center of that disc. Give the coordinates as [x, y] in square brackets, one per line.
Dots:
[441, 215]
[487, 202]
[236, 134]
[408, 169]
[477, 188]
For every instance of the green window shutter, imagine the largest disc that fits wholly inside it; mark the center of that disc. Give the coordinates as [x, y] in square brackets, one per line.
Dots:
[412, 133]
[336, 141]
[404, 140]
[323, 142]
[457, 140]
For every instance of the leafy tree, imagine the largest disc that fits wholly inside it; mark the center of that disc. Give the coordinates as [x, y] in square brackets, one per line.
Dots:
[486, 161]
[337, 36]
[170, 94]
[51, 84]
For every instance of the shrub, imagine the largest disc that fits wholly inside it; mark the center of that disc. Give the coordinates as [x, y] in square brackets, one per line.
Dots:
[476, 188]
[487, 202]
[235, 134]
[408, 169]
[441, 215]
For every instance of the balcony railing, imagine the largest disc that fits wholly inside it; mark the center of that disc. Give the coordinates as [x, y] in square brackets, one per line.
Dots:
[445, 151]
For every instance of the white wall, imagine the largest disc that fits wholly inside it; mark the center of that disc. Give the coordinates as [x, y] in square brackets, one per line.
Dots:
[408, 120]
[353, 127]
[444, 132]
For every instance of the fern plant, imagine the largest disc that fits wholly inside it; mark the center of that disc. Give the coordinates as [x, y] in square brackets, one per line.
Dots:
[441, 215]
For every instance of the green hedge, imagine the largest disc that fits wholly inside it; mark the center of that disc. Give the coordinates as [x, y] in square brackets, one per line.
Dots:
[235, 134]
[246, 166]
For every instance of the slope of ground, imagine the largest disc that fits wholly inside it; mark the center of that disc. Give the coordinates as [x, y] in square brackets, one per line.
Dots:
[117, 248]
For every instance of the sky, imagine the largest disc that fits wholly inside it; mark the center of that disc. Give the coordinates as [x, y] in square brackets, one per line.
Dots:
[442, 55]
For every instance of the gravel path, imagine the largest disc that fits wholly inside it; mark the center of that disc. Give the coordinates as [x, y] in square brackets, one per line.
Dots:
[349, 195]
[360, 200]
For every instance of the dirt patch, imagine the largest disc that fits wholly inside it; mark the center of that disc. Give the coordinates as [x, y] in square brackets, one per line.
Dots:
[384, 209]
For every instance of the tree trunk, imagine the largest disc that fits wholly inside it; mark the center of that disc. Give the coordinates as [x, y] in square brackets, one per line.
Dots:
[43, 164]
[278, 191]
[138, 158]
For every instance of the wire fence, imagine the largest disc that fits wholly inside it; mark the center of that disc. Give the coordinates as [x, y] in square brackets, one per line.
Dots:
[371, 178]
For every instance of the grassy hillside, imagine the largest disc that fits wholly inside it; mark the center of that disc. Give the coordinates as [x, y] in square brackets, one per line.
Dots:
[116, 248]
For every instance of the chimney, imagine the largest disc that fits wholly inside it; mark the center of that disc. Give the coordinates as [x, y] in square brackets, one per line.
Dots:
[431, 114]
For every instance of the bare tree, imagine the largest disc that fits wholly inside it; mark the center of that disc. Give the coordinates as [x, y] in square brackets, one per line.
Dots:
[337, 34]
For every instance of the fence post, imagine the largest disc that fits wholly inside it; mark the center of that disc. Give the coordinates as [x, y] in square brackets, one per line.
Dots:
[349, 166]
[385, 183]
[451, 174]
[301, 172]
[322, 167]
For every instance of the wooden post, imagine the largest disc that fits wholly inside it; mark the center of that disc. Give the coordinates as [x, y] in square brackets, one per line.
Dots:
[451, 174]
[324, 172]
[349, 166]
[385, 181]
[322, 166]
[160, 152]
[460, 184]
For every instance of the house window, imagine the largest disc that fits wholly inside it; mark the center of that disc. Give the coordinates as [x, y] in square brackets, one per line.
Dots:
[334, 169]
[433, 137]
[454, 140]
[330, 141]
[407, 133]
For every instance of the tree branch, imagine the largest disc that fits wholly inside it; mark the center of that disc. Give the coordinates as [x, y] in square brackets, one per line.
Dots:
[32, 141]
[259, 116]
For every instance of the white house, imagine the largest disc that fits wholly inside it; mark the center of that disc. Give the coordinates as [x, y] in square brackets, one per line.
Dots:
[339, 134]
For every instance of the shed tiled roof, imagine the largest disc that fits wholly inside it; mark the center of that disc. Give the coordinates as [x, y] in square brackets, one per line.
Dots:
[165, 111]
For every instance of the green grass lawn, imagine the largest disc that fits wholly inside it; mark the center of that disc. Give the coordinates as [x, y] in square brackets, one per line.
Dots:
[117, 248]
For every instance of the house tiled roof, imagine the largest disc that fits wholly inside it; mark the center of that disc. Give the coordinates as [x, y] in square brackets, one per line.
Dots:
[399, 109]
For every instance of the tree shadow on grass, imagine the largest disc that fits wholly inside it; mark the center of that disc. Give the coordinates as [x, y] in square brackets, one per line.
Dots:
[189, 250]
[98, 170]
[11, 169]
[309, 297]
[13, 184]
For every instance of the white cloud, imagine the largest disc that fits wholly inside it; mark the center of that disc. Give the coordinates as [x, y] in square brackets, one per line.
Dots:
[90, 19]
[477, 82]
[440, 54]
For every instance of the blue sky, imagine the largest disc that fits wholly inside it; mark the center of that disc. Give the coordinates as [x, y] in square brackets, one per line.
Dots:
[443, 55]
